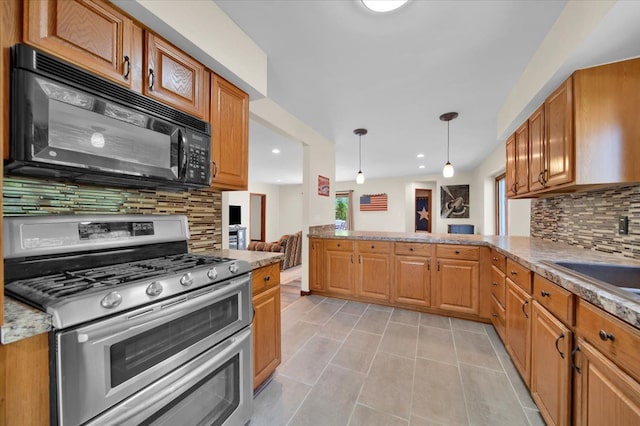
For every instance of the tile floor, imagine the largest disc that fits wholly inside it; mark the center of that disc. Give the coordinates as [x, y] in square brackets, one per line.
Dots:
[349, 363]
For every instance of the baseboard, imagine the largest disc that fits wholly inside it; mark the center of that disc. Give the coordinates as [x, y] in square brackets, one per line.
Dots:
[305, 293]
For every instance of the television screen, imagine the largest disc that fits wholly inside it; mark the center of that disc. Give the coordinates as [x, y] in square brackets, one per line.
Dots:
[234, 215]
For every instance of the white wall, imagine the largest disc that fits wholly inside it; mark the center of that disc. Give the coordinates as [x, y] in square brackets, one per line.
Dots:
[290, 209]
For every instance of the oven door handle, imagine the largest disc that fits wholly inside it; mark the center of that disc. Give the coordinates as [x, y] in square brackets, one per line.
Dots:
[143, 404]
[162, 312]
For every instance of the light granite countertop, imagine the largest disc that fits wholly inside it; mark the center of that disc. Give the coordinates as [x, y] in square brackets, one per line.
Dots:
[22, 321]
[532, 253]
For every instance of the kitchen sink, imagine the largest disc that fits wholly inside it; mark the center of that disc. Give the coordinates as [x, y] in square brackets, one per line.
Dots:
[626, 278]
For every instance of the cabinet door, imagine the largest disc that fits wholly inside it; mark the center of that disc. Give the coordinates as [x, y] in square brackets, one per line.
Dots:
[339, 272]
[560, 150]
[316, 264]
[522, 159]
[551, 344]
[457, 286]
[511, 166]
[89, 33]
[537, 168]
[374, 275]
[604, 394]
[412, 280]
[518, 319]
[230, 135]
[173, 77]
[266, 335]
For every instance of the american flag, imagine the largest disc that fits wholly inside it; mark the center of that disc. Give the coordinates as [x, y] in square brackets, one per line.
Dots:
[373, 203]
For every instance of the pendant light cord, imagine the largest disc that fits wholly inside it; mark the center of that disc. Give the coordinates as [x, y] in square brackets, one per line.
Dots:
[359, 153]
[448, 141]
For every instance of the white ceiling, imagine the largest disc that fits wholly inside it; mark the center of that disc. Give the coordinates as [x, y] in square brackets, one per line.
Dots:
[337, 66]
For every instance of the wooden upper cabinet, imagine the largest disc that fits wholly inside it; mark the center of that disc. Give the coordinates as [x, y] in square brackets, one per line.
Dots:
[560, 151]
[511, 166]
[172, 77]
[89, 33]
[537, 156]
[230, 135]
[522, 159]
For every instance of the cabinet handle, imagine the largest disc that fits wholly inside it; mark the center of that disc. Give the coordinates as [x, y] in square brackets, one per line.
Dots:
[495, 284]
[151, 79]
[557, 348]
[514, 188]
[359, 258]
[573, 359]
[541, 178]
[495, 259]
[351, 255]
[457, 251]
[429, 266]
[338, 244]
[127, 68]
[604, 336]
[544, 176]
[545, 293]
[214, 166]
[493, 314]
[514, 272]
[410, 248]
[438, 266]
[372, 246]
[523, 311]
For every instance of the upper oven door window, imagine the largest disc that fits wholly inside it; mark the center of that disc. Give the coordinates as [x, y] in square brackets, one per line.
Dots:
[59, 124]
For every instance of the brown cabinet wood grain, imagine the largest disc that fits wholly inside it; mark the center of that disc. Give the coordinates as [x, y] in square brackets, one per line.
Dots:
[230, 135]
[551, 343]
[518, 325]
[173, 77]
[457, 286]
[266, 323]
[555, 299]
[537, 145]
[316, 265]
[411, 283]
[91, 34]
[522, 159]
[511, 165]
[374, 269]
[559, 148]
[340, 267]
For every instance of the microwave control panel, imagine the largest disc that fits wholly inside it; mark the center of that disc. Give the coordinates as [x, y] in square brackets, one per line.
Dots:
[198, 161]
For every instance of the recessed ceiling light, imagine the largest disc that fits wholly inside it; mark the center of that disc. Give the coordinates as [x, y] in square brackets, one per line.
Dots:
[279, 180]
[421, 166]
[275, 151]
[420, 155]
[383, 6]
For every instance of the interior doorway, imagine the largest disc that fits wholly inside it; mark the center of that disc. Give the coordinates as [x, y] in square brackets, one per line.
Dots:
[257, 208]
[423, 210]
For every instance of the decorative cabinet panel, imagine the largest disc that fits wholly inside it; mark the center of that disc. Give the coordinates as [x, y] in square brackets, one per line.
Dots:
[522, 159]
[411, 283]
[339, 267]
[518, 325]
[230, 135]
[374, 269]
[537, 155]
[174, 78]
[266, 322]
[512, 161]
[551, 343]
[316, 265]
[559, 145]
[92, 34]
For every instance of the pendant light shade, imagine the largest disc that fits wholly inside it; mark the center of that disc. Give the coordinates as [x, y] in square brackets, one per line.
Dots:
[447, 170]
[360, 175]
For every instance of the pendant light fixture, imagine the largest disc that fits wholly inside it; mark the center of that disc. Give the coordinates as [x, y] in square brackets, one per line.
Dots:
[360, 175]
[447, 171]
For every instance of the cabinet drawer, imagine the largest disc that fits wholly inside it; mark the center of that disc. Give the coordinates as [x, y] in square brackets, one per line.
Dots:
[498, 260]
[498, 315]
[497, 285]
[613, 337]
[265, 278]
[338, 245]
[519, 275]
[557, 300]
[413, 249]
[382, 247]
[448, 251]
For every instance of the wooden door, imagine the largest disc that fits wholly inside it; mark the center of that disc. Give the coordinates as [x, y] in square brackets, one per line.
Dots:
[559, 148]
[551, 344]
[412, 280]
[511, 165]
[316, 256]
[604, 394]
[457, 286]
[522, 159]
[537, 168]
[374, 275]
[518, 322]
[266, 335]
[173, 77]
[230, 135]
[339, 272]
[89, 33]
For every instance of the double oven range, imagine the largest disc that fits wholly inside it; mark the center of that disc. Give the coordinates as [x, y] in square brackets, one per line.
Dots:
[143, 332]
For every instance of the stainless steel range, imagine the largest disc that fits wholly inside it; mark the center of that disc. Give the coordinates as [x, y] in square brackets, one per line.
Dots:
[144, 333]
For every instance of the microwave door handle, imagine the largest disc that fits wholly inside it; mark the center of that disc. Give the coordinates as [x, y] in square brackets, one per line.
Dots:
[182, 167]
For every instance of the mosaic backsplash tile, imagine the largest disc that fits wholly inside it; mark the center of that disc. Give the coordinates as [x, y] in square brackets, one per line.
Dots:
[203, 207]
[590, 220]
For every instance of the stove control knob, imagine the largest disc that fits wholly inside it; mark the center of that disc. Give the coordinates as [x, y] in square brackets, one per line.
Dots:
[111, 300]
[233, 268]
[187, 279]
[154, 289]
[212, 273]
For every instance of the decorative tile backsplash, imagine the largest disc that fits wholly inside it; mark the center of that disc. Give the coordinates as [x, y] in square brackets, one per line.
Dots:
[590, 219]
[203, 207]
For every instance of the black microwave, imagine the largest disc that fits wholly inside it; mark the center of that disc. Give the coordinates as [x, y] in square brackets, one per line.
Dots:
[69, 124]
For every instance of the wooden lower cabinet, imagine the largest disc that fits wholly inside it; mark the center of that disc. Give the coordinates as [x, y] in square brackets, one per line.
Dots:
[551, 343]
[518, 325]
[412, 280]
[604, 394]
[339, 268]
[266, 323]
[374, 269]
[457, 286]
[316, 265]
